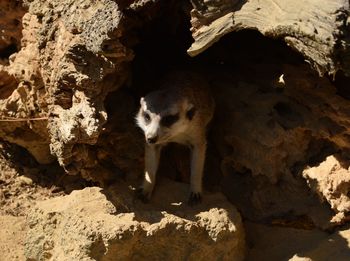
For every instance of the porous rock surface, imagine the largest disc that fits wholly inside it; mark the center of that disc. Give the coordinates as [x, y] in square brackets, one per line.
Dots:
[100, 224]
[282, 122]
[71, 57]
[284, 133]
[331, 181]
[22, 92]
[11, 13]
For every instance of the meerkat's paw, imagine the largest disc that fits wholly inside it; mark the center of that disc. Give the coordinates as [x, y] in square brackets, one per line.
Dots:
[143, 195]
[195, 198]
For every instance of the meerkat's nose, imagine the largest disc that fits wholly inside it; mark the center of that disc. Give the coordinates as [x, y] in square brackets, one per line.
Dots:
[152, 140]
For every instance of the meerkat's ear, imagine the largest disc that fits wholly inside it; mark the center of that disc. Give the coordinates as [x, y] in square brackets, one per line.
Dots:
[142, 101]
[191, 110]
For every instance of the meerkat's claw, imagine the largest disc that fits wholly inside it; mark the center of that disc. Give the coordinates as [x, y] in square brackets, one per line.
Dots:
[195, 198]
[142, 195]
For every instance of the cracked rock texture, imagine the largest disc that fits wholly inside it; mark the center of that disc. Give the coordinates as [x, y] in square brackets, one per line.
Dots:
[96, 224]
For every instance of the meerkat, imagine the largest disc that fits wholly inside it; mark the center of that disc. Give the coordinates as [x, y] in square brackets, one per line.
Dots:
[178, 112]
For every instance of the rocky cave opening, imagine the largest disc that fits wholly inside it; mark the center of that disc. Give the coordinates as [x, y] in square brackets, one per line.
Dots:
[261, 137]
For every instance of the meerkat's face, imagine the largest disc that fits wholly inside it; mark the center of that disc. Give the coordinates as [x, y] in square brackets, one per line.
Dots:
[160, 126]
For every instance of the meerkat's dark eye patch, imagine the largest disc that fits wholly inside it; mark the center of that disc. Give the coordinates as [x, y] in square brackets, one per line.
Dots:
[147, 117]
[169, 120]
[190, 113]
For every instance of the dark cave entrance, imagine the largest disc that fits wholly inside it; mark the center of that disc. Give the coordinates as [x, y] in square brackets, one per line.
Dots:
[164, 42]
[243, 69]
[244, 56]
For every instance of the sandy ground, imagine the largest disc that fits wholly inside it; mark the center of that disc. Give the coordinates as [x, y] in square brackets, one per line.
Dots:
[22, 184]
[18, 193]
[12, 234]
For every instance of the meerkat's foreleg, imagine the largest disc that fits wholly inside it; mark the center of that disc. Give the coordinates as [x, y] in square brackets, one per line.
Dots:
[197, 166]
[152, 154]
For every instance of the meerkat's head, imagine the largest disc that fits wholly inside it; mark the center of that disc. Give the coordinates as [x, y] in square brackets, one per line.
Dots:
[162, 118]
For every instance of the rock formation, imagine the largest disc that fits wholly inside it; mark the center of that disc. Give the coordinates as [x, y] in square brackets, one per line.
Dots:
[95, 224]
[331, 181]
[71, 76]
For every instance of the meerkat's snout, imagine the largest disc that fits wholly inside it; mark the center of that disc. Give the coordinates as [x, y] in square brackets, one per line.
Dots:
[152, 140]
